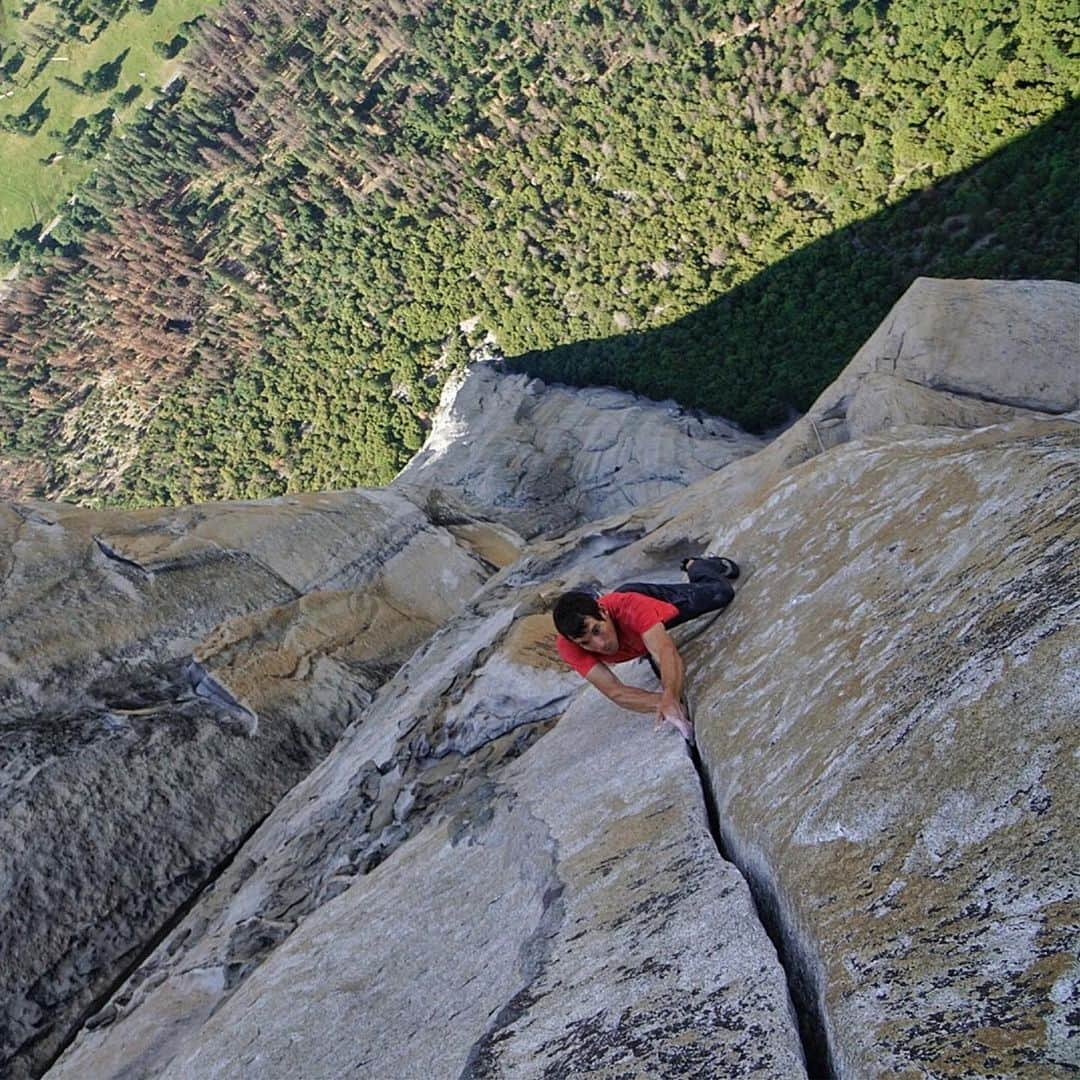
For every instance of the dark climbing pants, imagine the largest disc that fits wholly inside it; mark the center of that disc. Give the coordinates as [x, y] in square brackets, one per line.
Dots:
[708, 590]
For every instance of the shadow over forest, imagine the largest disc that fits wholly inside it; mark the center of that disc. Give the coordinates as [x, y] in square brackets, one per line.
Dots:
[772, 344]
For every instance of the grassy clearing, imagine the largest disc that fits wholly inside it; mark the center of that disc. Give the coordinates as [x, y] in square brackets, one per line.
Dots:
[38, 171]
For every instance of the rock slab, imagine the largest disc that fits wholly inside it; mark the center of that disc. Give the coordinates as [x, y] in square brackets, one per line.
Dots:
[564, 913]
[166, 677]
[903, 786]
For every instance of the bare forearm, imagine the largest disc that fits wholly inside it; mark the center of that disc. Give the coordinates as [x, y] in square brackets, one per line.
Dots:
[672, 673]
[630, 697]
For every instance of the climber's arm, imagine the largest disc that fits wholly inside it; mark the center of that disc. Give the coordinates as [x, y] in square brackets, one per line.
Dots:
[627, 697]
[672, 671]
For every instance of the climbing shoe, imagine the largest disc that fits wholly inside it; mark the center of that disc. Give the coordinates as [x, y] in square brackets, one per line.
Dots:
[729, 568]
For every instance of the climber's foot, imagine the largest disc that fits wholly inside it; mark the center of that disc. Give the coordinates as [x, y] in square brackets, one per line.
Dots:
[729, 568]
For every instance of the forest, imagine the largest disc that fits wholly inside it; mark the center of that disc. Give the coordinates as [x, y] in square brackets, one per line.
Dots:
[268, 272]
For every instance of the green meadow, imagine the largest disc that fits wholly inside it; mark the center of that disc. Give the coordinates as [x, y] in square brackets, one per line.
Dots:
[44, 52]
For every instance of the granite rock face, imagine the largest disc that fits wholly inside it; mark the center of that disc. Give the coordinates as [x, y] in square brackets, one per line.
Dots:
[610, 940]
[903, 785]
[559, 905]
[166, 677]
[964, 338]
[950, 354]
[155, 582]
[496, 873]
[545, 458]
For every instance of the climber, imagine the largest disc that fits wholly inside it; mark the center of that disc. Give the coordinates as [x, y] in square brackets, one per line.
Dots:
[633, 621]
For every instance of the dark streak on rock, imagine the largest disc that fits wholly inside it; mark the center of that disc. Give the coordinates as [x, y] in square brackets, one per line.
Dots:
[593, 1045]
[100, 1011]
[602, 542]
[483, 1059]
[1035, 404]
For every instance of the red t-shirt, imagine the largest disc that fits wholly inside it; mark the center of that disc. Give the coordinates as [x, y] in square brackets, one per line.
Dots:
[633, 615]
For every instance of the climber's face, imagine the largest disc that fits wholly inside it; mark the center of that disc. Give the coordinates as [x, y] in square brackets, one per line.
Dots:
[600, 635]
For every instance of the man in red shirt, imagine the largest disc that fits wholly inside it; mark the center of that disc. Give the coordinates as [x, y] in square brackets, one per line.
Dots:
[633, 621]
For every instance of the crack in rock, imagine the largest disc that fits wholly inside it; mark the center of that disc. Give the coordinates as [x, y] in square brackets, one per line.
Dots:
[801, 968]
[115, 556]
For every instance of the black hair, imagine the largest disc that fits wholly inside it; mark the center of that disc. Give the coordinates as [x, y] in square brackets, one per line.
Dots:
[571, 610]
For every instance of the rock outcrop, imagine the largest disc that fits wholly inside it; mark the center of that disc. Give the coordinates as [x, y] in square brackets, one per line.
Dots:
[543, 459]
[900, 787]
[559, 909]
[496, 873]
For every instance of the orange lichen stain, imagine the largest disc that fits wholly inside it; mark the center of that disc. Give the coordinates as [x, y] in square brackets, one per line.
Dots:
[997, 1038]
[531, 641]
[690, 1037]
[1046, 970]
[1058, 916]
[500, 547]
[632, 862]
[248, 652]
